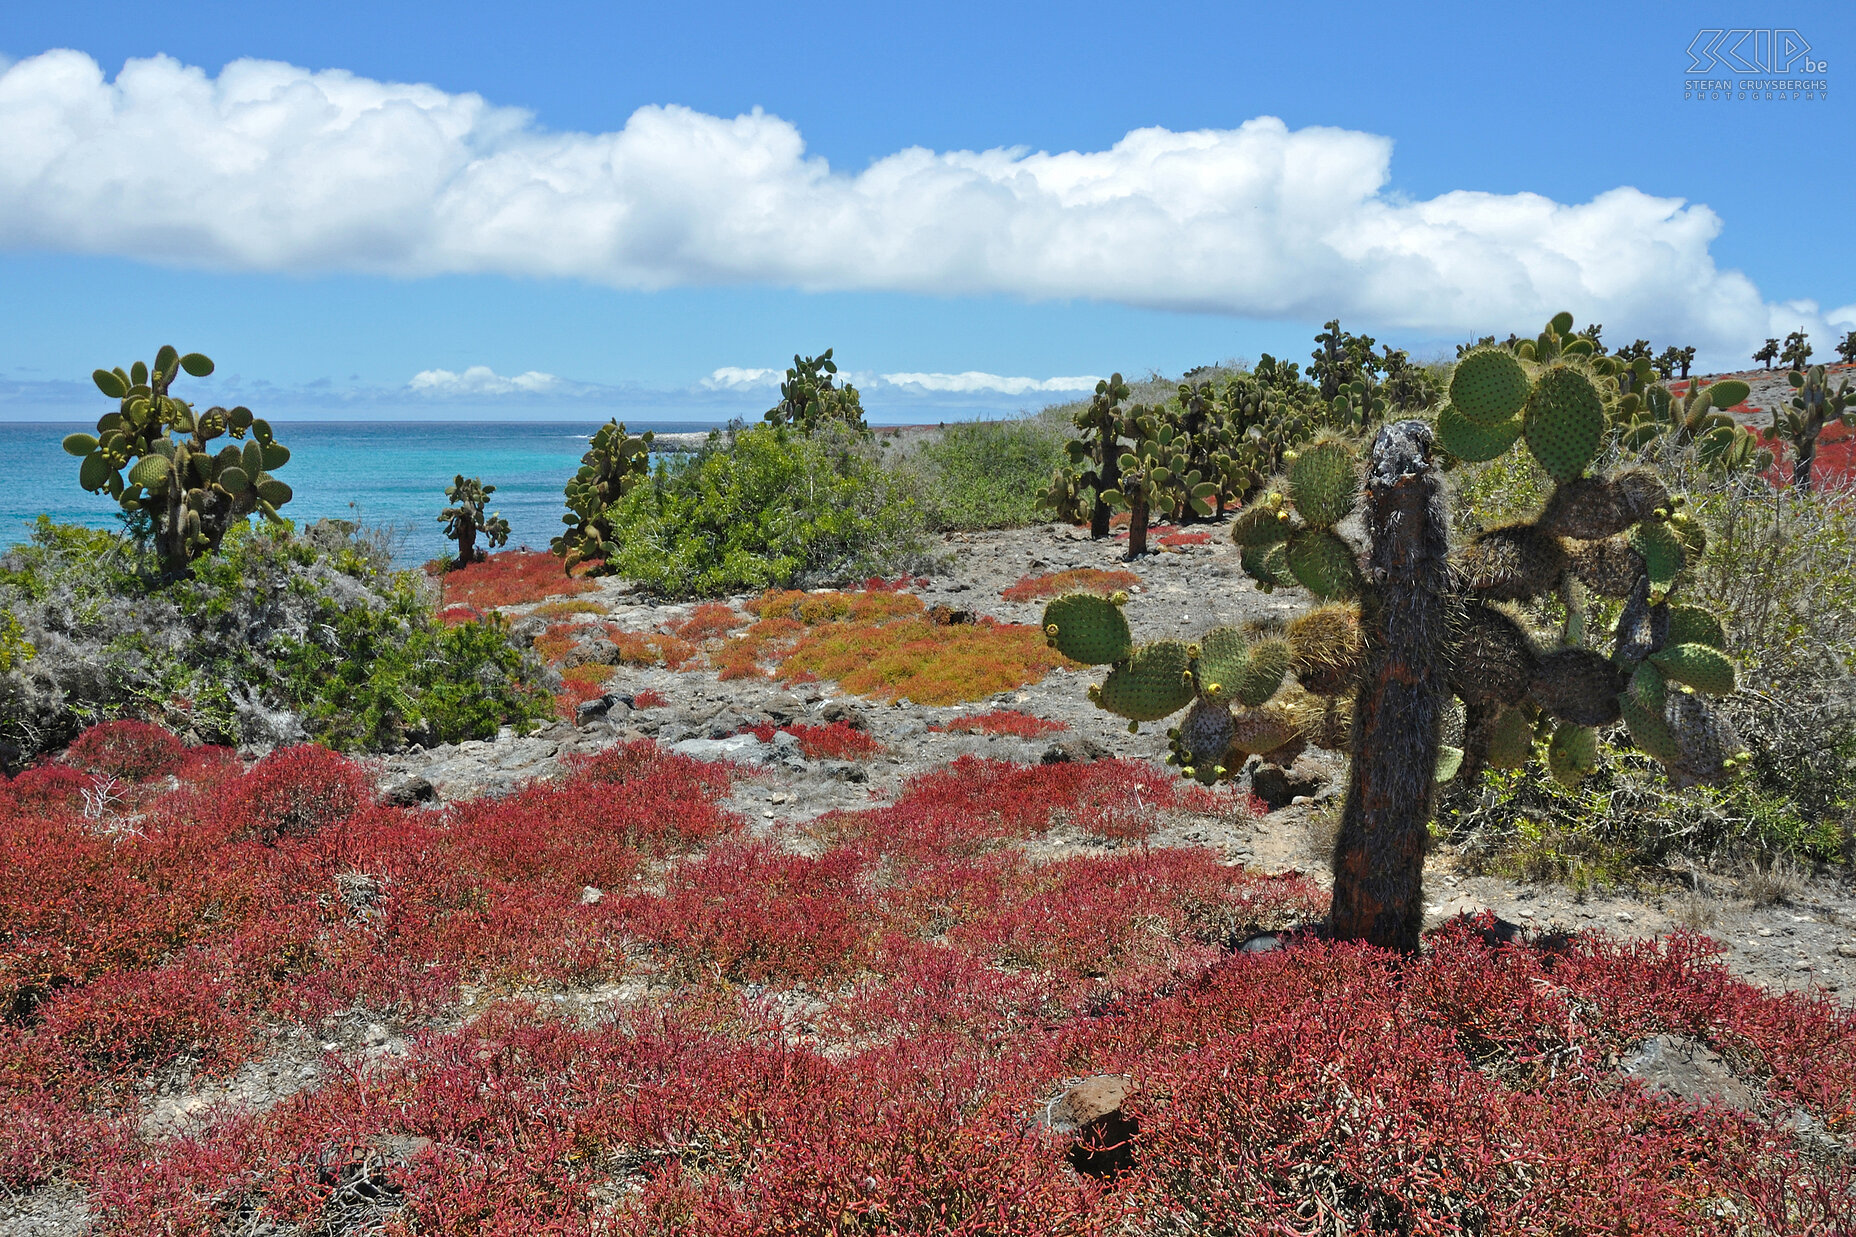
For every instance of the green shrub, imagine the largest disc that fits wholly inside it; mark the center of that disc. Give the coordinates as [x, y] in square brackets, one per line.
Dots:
[279, 638]
[764, 507]
[984, 474]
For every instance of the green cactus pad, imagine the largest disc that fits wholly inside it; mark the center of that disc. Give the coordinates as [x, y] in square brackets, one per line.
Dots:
[1327, 649]
[1564, 422]
[1474, 443]
[1449, 761]
[1263, 673]
[150, 472]
[233, 480]
[1728, 392]
[1572, 756]
[273, 491]
[1661, 551]
[1511, 740]
[1324, 483]
[1648, 730]
[1647, 687]
[1087, 628]
[1152, 683]
[1223, 655]
[1488, 386]
[1323, 564]
[1268, 565]
[1262, 523]
[1699, 666]
[94, 473]
[1517, 562]
[79, 445]
[1693, 625]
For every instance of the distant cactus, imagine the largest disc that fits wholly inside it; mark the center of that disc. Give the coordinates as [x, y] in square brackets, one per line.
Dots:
[151, 456]
[1408, 624]
[464, 519]
[1698, 416]
[614, 462]
[810, 396]
[1094, 469]
[1846, 348]
[1768, 353]
[1797, 353]
[1813, 407]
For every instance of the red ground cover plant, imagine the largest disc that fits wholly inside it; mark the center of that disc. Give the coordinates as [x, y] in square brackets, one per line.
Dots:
[832, 741]
[1179, 539]
[1074, 580]
[580, 684]
[1001, 721]
[131, 750]
[511, 578]
[295, 791]
[649, 699]
[846, 1028]
[712, 620]
[1834, 466]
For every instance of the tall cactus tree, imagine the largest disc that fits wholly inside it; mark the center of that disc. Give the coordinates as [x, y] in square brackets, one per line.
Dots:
[152, 455]
[1095, 460]
[1420, 623]
[465, 518]
[1813, 407]
[614, 463]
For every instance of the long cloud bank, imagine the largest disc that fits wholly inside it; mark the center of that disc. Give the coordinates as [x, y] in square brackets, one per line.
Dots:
[275, 168]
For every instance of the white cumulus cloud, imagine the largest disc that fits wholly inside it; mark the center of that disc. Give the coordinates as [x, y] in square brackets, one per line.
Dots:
[272, 167]
[973, 380]
[735, 378]
[481, 380]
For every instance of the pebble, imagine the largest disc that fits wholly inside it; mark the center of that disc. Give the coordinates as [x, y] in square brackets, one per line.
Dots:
[1847, 949]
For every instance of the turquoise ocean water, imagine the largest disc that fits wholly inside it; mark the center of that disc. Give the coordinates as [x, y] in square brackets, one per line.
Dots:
[387, 474]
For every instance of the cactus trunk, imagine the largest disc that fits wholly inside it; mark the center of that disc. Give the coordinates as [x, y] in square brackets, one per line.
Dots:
[1398, 713]
[1109, 469]
[1804, 462]
[1137, 528]
[467, 543]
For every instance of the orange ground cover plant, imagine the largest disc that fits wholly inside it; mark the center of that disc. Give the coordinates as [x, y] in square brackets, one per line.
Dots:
[1001, 721]
[1075, 580]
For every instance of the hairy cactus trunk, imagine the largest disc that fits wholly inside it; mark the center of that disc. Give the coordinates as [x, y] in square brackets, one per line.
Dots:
[1398, 713]
[1138, 517]
[1804, 462]
[467, 542]
[1108, 468]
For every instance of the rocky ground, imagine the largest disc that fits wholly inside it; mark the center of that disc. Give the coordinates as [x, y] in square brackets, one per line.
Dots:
[1791, 930]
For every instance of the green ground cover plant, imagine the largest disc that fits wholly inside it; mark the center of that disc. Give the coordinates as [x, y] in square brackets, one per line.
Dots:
[983, 474]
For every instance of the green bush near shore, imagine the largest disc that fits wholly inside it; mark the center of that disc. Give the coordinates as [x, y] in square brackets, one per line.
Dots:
[765, 507]
[984, 474]
[282, 637]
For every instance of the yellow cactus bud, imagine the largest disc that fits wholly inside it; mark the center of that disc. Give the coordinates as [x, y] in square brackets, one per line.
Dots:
[1050, 629]
[1119, 597]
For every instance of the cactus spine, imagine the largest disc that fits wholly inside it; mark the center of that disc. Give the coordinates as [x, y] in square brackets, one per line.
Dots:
[152, 456]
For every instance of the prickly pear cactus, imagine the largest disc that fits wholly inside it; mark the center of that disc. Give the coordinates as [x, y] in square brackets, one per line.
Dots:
[1408, 624]
[1095, 460]
[464, 519]
[1814, 406]
[811, 397]
[153, 456]
[614, 463]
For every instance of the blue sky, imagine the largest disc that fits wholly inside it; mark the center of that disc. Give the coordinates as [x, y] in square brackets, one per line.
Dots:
[586, 209]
